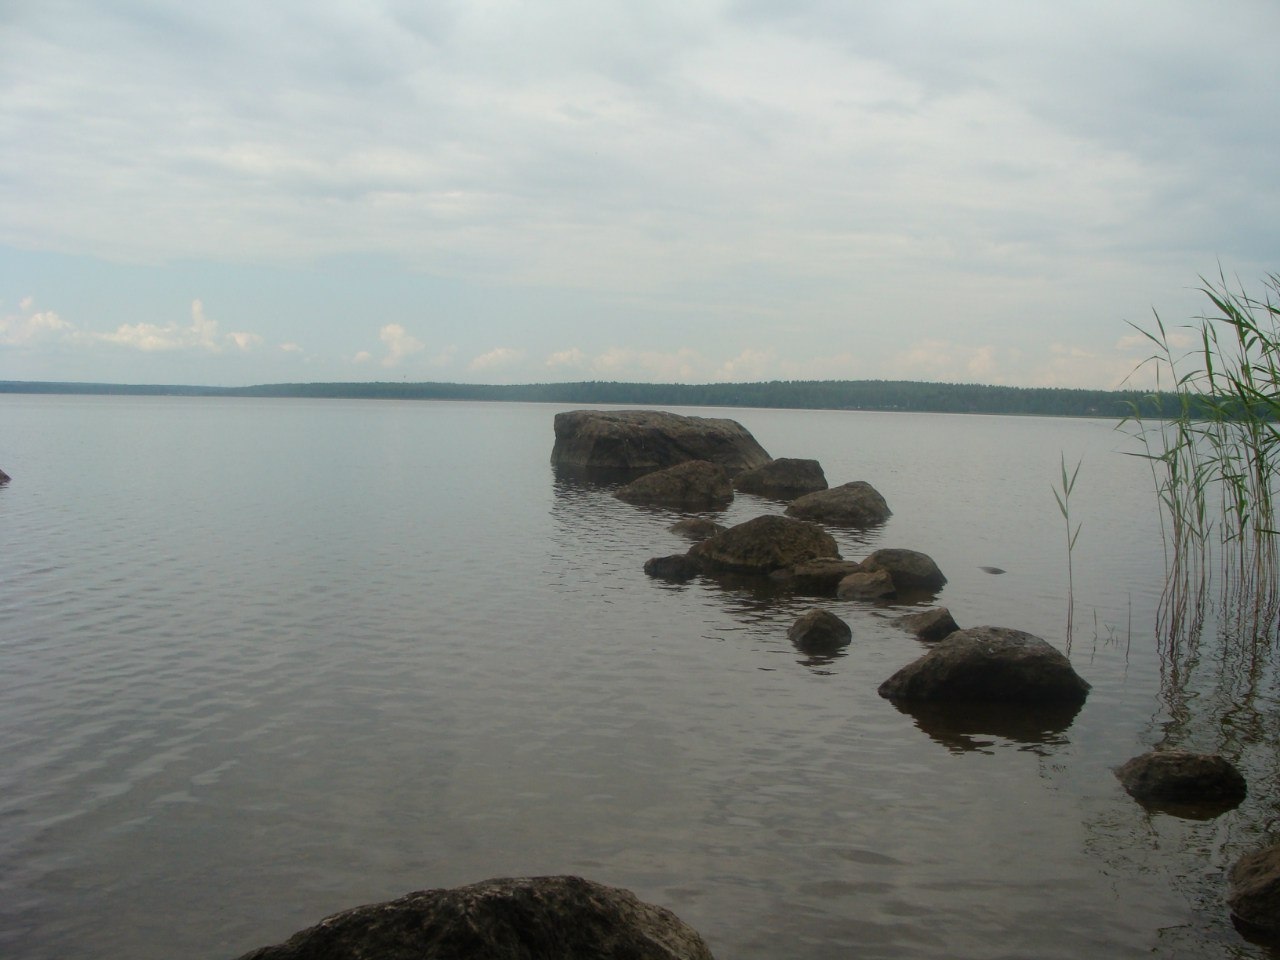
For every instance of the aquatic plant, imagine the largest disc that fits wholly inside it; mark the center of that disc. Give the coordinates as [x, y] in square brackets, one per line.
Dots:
[1064, 507]
[1211, 434]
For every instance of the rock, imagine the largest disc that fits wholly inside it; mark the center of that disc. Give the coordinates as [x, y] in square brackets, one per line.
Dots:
[763, 545]
[1180, 776]
[931, 625]
[989, 664]
[678, 567]
[540, 918]
[819, 631]
[782, 479]
[855, 504]
[815, 578]
[695, 484]
[641, 441]
[1254, 891]
[866, 585]
[697, 528]
[4, 477]
[910, 569]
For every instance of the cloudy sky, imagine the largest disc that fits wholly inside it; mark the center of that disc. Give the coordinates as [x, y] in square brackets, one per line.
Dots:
[511, 191]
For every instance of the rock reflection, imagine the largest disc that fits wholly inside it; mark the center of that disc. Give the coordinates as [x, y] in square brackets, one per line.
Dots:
[961, 727]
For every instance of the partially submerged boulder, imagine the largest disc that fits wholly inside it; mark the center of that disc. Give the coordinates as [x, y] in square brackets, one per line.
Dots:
[697, 528]
[866, 585]
[819, 631]
[855, 504]
[783, 479]
[763, 545]
[911, 570]
[815, 578]
[929, 625]
[1182, 777]
[697, 484]
[1254, 891]
[678, 567]
[539, 918]
[989, 664]
[4, 477]
[641, 441]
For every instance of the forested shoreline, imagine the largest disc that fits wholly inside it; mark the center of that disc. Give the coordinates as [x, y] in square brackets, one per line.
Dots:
[884, 395]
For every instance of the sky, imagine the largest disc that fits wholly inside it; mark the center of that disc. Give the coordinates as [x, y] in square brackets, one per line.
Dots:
[509, 191]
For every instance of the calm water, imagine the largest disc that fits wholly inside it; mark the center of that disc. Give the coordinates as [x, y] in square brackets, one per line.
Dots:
[264, 660]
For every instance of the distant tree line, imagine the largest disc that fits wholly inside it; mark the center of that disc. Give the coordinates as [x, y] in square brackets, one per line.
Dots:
[892, 395]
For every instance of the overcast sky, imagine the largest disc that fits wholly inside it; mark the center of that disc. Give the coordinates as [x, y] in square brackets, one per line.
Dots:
[508, 192]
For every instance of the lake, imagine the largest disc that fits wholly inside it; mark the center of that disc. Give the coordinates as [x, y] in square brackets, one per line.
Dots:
[263, 660]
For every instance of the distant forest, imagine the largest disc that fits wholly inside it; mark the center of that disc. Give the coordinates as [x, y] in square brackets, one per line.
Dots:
[892, 395]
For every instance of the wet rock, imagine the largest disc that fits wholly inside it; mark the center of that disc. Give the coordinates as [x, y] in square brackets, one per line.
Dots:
[4, 477]
[856, 504]
[1180, 776]
[697, 528]
[866, 585]
[539, 918]
[815, 578]
[641, 441]
[819, 631]
[782, 479]
[989, 664]
[911, 570]
[763, 545]
[930, 625]
[697, 484]
[679, 567]
[1254, 891]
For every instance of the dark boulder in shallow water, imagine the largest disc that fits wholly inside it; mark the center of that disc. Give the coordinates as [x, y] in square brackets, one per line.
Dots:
[1254, 892]
[911, 570]
[678, 567]
[697, 528]
[538, 918]
[930, 625]
[782, 479]
[819, 631]
[4, 477]
[1182, 777]
[856, 504]
[989, 665]
[697, 484]
[866, 585]
[815, 578]
[763, 545]
[641, 441]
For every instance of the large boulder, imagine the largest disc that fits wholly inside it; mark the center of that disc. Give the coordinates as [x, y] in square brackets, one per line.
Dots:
[677, 567]
[855, 504]
[763, 545]
[819, 631]
[641, 441]
[696, 484]
[1254, 891]
[911, 570]
[783, 479]
[992, 665]
[542, 918]
[1180, 776]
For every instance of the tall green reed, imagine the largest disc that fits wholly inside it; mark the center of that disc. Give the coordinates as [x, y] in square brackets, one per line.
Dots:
[1064, 507]
[1211, 434]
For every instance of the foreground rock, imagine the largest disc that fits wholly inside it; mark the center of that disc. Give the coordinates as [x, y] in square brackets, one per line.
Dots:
[910, 570]
[641, 441]
[782, 479]
[931, 625]
[989, 664]
[678, 567]
[4, 477]
[1254, 891]
[1182, 777]
[820, 632]
[541, 918]
[815, 578]
[763, 545]
[856, 504]
[698, 484]
[697, 528]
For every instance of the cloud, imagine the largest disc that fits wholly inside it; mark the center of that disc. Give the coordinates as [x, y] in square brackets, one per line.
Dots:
[200, 335]
[364, 356]
[291, 347]
[27, 328]
[400, 344]
[497, 359]
[573, 359]
[244, 341]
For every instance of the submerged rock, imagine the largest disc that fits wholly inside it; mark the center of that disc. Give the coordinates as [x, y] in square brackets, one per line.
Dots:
[815, 578]
[930, 625]
[782, 479]
[989, 664]
[538, 918]
[911, 570]
[677, 567]
[4, 477]
[866, 585]
[856, 504]
[695, 484]
[819, 631]
[641, 441]
[697, 528]
[763, 545]
[1254, 891]
[1182, 777]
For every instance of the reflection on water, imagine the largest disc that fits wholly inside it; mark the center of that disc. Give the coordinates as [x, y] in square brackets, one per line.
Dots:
[958, 726]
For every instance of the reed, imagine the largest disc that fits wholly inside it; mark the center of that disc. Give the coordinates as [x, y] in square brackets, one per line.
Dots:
[1211, 434]
[1063, 497]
